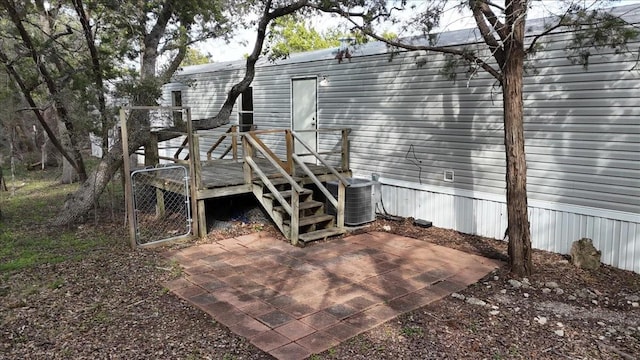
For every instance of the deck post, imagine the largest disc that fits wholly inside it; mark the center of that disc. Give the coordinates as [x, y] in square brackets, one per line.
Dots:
[194, 158]
[345, 150]
[202, 219]
[234, 142]
[289, 141]
[341, 200]
[295, 216]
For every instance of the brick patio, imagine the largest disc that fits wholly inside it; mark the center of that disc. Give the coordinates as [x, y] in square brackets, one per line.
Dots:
[293, 302]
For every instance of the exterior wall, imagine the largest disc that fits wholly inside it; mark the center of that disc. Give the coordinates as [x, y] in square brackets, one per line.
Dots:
[554, 226]
[410, 124]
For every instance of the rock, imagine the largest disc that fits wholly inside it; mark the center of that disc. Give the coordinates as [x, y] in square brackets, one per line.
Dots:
[458, 296]
[551, 284]
[594, 302]
[386, 228]
[601, 323]
[496, 278]
[559, 291]
[475, 301]
[516, 309]
[541, 320]
[635, 304]
[546, 291]
[526, 281]
[584, 255]
[503, 291]
[515, 283]
[571, 298]
[526, 295]
[586, 293]
[494, 312]
[633, 298]
[559, 332]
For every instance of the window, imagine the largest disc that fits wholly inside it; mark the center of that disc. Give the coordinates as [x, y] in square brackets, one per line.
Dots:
[245, 119]
[176, 100]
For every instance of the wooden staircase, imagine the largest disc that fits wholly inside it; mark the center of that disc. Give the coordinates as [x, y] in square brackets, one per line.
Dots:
[293, 208]
[313, 221]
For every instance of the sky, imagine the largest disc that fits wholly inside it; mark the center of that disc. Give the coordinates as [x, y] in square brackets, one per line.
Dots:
[243, 42]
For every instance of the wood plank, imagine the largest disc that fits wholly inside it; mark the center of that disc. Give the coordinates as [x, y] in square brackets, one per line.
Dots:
[128, 193]
[320, 234]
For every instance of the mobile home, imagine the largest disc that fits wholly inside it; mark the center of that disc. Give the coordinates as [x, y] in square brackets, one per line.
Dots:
[436, 144]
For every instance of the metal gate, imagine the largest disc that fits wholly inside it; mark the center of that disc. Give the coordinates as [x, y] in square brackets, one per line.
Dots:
[161, 204]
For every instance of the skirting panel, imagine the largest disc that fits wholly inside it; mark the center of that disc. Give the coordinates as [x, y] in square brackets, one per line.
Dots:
[551, 229]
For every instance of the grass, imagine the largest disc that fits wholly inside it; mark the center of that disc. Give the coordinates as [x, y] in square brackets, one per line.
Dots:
[411, 331]
[26, 240]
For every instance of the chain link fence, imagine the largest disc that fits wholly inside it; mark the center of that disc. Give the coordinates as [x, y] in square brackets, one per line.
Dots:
[161, 204]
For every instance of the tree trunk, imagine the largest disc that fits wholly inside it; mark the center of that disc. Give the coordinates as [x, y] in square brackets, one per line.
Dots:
[3, 184]
[69, 174]
[517, 208]
[81, 202]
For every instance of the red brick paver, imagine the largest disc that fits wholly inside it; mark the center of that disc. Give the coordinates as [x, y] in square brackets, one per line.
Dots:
[293, 302]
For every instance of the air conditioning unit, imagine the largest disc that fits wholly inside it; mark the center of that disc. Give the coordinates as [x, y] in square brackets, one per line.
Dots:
[358, 207]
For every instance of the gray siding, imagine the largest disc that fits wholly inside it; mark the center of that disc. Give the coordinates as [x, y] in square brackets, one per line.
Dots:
[411, 123]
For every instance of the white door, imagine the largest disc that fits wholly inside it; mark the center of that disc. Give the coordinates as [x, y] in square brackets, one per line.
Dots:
[304, 114]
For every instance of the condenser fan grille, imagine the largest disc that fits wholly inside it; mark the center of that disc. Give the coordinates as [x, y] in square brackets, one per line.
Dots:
[358, 207]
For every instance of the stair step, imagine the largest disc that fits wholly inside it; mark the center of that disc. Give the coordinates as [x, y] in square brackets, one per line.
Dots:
[310, 220]
[320, 234]
[311, 204]
[287, 194]
[277, 181]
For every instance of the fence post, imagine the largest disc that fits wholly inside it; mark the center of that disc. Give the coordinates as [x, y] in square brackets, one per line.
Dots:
[194, 176]
[128, 193]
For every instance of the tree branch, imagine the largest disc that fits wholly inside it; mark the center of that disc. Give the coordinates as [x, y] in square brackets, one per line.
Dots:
[558, 25]
[77, 163]
[27, 94]
[495, 47]
[497, 25]
[267, 16]
[96, 69]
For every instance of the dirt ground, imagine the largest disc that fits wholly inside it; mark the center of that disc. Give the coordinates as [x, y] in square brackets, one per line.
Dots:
[109, 303]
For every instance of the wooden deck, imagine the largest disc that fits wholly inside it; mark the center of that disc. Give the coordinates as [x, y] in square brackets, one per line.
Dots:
[225, 177]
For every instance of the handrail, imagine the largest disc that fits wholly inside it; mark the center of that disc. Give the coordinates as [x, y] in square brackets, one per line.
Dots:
[316, 181]
[231, 129]
[274, 162]
[342, 179]
[180, 148]
[269, 184]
